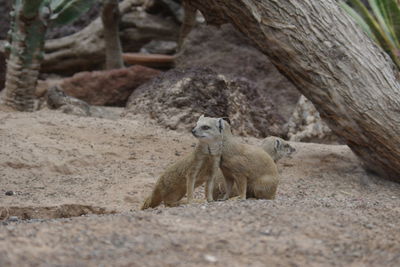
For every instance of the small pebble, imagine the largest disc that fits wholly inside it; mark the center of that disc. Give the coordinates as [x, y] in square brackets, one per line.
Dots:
[210, 258]
[10, 193]
[369, 226]
[266, 232]
[13, 218]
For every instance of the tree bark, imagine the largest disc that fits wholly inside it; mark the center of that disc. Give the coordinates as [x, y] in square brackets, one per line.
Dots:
[350, 80]
[110, 18]
[23, 65]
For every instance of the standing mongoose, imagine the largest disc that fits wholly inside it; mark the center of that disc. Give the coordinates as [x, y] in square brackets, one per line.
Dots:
[276, 147]
[202, 165]
[252, 170]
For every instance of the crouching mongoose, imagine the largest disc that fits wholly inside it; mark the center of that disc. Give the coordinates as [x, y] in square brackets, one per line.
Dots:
[276, 147]
[202, 165]
[250, 168]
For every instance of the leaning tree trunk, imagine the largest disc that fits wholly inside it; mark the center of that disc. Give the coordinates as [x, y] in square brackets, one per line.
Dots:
[23, 64]
[110, 17]
[333, 63]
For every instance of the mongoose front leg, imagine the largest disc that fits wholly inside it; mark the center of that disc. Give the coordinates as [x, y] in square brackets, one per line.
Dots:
[191, 180]
[211, 180]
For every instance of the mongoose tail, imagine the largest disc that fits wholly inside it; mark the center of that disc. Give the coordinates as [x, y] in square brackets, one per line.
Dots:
[265, 187]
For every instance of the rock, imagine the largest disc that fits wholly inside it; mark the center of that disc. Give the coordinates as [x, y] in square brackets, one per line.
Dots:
[13, 218]
[227, 52]
[266, 232]
[107, 88]
[159, 47]
[10, 193]
[57, 99]
[177, 98]
[306, 125]
[210, 258]
[139, 27]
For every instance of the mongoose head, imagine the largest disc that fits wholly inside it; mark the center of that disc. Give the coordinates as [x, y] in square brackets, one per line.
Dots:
[210, 130]
[277, 148]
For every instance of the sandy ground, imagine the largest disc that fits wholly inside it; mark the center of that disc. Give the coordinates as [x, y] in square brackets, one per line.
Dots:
[53, 166]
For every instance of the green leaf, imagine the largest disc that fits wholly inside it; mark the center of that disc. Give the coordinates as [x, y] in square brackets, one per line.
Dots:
[66, 11]
[360, 21]
[391, 13]
[381, 23]
[31, 7]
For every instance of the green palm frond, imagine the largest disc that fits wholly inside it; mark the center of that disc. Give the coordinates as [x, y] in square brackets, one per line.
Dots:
[381, 23]
[66, 11]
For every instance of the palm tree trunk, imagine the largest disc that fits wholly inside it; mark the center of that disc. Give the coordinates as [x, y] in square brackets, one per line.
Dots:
[23, 65]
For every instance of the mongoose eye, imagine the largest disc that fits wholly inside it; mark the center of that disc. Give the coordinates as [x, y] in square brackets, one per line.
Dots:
[205, 127]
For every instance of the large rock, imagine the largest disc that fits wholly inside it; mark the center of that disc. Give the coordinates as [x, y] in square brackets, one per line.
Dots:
[306, 125]
[107, 88]
[178, 97]
[228, 52]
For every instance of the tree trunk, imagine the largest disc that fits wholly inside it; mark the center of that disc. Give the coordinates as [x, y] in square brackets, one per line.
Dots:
[23, 65]
[350, 80]
[110, 17]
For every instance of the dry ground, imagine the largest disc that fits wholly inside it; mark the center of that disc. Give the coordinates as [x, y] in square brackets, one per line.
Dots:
[329, 211]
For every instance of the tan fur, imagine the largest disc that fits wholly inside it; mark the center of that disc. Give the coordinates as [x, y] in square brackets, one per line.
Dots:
[276, 150]
[276, 147]
[190, 172]
[250, 168]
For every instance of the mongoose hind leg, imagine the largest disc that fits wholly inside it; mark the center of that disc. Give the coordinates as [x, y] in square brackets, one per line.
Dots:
[228, 183]
[241, 185]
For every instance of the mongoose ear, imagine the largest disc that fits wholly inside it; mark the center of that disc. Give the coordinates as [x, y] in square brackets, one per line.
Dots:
[227, 120]
[201, 117]
[220, 124]
[277, 144]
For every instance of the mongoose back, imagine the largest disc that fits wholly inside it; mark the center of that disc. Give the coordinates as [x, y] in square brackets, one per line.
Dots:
[276, 147]
[252, 170]
[200, 166]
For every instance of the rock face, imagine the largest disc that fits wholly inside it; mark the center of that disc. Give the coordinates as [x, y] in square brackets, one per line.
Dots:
[178, 97]
[107, 88]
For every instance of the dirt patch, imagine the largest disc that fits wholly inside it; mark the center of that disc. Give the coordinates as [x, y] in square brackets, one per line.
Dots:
[52, 212]
[328, 211]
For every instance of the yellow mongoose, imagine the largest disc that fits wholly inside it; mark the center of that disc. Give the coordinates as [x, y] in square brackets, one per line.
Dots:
[252, 170]
[202, 165]
[276, 147]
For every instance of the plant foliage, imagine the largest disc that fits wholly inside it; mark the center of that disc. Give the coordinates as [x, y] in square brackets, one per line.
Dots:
[66, 11]
[381, 21]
